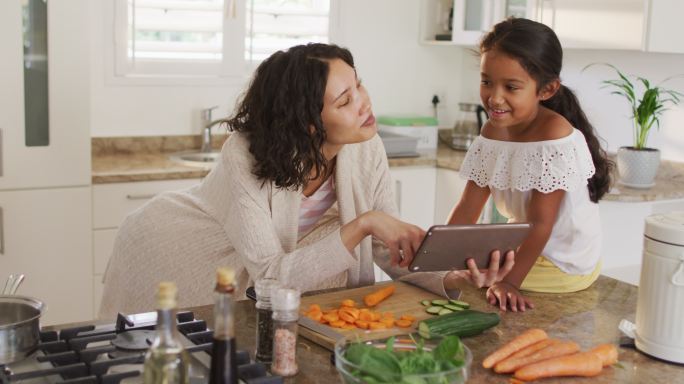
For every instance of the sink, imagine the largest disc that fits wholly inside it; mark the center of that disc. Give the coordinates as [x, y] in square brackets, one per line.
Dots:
[196, 158]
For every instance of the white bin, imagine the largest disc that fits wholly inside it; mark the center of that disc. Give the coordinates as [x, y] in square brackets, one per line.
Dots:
[660, 305]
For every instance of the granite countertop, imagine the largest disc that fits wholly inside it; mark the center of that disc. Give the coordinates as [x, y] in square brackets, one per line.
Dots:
[130, 159]
[589, 317]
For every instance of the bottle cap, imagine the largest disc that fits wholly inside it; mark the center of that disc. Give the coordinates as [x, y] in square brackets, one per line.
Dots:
[166, 295]
[225, 276]
[266, 287]
[286, 299]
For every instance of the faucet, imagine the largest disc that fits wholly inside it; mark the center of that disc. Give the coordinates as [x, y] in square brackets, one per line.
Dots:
[207, 124]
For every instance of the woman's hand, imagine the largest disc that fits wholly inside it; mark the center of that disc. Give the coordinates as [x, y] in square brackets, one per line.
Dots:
[402, 239]
[508, 295]
[485, 277]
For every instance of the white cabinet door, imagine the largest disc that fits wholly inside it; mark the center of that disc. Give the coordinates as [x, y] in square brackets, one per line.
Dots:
[592, 24]
[65, 160]
[664, 20]
[415, 194]
[45, 234]
[448, 192]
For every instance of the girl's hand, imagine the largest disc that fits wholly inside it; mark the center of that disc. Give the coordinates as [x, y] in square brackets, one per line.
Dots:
[401, 238]
[508, 295]
[486, 277]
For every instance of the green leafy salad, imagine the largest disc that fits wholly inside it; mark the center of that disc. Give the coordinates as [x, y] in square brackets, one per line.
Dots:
[415, 365]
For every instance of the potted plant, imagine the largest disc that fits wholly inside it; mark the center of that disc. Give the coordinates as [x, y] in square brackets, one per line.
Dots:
[638, 164]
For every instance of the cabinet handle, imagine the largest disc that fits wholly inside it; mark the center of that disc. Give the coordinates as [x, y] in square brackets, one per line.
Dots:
[143, 196]
[2, 232]
[0, 152]
[397, 195]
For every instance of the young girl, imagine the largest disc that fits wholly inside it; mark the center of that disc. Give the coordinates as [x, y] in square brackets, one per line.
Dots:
[540, 159]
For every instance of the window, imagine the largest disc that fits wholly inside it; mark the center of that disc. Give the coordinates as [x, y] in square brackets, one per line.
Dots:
[210, 38]
[279, 24]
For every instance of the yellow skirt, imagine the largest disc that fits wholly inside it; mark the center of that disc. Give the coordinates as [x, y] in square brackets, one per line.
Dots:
[546, 277]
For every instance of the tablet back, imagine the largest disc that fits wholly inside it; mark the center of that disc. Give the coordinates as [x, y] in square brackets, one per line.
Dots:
[447, 247]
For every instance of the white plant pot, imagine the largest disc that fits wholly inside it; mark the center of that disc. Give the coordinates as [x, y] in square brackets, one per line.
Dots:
[638, 167]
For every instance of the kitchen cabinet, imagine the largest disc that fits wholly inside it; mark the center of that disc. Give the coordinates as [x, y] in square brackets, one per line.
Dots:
[664, 19]
[111, 204]
[448, 191]
[44, 234]
[605, 24]
[414, 191]
[64, 160]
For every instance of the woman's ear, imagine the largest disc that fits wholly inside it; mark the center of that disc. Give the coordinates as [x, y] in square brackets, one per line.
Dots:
[549, 89]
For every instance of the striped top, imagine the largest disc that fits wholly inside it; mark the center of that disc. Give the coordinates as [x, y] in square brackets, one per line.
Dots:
[314, 206]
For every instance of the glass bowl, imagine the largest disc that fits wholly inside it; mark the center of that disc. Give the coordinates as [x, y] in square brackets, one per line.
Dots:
[377, 369]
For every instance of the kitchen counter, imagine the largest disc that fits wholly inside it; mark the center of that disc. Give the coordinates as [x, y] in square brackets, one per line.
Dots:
[589, 317]
[130, 159]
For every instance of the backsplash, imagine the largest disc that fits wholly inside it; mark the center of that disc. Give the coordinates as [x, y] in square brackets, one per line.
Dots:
[103, 146]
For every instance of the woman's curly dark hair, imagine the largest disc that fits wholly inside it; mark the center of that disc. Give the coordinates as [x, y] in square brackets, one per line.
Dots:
[281, 113]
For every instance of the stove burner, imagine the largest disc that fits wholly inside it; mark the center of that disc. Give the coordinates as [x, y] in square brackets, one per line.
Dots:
[137, 340]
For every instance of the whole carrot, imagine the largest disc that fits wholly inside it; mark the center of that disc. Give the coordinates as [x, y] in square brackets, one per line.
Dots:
[530, 349]
[578, 364]
[373, 299]
[607, 353]
[560, 348]
[526, 338]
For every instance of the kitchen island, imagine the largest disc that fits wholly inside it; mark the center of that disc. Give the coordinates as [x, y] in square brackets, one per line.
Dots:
[589, 317]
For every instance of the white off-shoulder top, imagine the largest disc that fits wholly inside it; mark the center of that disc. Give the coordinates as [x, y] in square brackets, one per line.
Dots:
[512, 170]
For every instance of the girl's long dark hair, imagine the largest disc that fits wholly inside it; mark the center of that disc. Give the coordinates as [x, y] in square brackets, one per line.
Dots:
[281, 113]
[538, 50]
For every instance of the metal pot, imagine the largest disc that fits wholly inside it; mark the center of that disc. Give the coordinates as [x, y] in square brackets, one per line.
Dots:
[19, 327]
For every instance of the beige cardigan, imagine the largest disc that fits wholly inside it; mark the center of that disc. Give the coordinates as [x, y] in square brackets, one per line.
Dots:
[230, 219]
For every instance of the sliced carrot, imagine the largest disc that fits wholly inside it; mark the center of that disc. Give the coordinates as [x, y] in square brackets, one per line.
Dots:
[362, 324]
[408, 317]
[403, 323]
[375, 316]
[314, 307]
[526, 338]
[337, 323]
[376, 325]
[373, 299]
[353, 312]
[330, 317]
[349, 326]
[578, 364]
[607, 353]
[348, 303]
[366, 316]
[344, 315]
[316, 315]
[560, 348]
[389, 322]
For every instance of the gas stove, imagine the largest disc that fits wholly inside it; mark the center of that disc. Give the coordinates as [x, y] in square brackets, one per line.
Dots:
[114, 354]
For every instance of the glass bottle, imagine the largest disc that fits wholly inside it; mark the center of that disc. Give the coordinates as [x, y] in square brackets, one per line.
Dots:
[166, 362]
[223, 363]
[285, 316]
[264, 288]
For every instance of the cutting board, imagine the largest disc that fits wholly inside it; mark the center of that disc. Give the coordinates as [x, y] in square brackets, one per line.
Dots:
[404, 301]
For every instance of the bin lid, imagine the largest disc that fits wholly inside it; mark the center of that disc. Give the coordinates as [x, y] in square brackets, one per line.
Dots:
[407, 121]
[666, 227]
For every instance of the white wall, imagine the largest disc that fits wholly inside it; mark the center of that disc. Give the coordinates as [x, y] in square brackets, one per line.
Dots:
[401, 75]
[610, 113]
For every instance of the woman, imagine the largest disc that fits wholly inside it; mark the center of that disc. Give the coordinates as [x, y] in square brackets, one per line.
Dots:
[302, 193]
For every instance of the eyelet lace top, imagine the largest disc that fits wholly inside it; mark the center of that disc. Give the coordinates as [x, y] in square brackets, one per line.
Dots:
[513, 170]
[546, 166]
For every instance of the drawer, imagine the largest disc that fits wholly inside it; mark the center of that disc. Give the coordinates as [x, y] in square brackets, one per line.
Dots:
[113, 202]
[103, 242]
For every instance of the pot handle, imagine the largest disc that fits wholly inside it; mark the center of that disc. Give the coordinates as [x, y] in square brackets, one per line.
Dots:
[677, 277]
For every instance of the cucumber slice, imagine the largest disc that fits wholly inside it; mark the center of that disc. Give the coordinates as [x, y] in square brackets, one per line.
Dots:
[440, 302]
[454, 307]
[444, 311]
[460, 303]
[433, 310]
[425, 302]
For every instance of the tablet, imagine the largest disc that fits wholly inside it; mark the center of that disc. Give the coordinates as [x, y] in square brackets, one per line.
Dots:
[448, 247]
